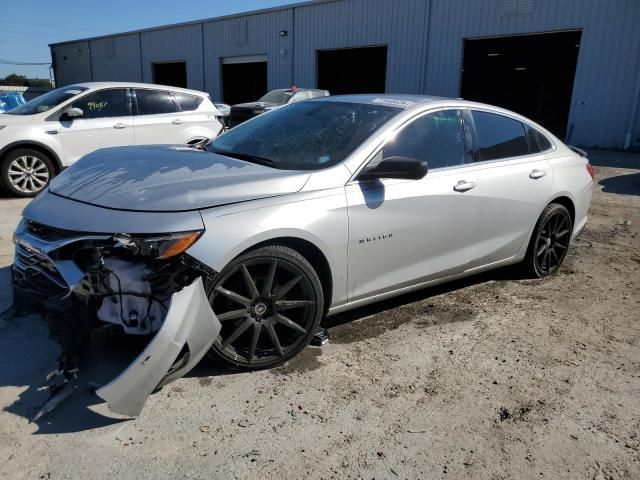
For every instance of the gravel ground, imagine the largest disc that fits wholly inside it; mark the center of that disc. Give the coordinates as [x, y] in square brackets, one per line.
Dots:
[492, 377]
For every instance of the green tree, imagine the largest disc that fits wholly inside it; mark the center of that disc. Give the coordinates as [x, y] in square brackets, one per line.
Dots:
[38, 83]
[14, 80]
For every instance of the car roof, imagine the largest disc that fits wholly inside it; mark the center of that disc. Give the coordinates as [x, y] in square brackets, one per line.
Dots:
[401, 101]
[94, 85]
[298, 89]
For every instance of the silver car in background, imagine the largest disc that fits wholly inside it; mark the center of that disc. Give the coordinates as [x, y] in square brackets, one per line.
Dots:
[241, 249]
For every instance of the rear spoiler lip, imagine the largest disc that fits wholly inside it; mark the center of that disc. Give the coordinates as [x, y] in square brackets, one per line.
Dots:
[579, 151]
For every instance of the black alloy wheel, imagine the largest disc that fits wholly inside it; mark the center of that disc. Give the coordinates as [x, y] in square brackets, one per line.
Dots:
[550, 241]
[270, 303]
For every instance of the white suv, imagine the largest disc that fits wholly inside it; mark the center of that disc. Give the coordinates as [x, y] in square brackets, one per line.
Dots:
[40, 138]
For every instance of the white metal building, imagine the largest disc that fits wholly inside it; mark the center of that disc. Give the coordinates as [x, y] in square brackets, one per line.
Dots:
[572, 65]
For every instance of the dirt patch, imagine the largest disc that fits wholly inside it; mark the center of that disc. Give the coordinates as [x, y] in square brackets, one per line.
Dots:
[423, 314]
[305, 361]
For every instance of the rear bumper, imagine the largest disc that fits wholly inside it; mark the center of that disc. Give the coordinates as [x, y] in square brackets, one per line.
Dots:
[236, 117]
[582, 204]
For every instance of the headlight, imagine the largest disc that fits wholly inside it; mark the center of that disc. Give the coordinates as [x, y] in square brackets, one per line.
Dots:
[160, 246]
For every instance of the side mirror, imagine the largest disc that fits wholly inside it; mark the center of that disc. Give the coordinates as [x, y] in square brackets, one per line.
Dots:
[396, 167]
[73, 112]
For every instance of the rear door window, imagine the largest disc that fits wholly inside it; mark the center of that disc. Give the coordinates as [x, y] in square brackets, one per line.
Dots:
[104, 103]
[187, 103]
[498, 137]
[152, 102]
[436, 137]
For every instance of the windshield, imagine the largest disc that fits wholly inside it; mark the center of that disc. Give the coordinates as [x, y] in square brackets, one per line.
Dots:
[47, 101]
[304, 136]
[277, 96]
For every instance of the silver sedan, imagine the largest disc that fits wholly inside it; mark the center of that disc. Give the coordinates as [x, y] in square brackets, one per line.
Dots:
[241, 247]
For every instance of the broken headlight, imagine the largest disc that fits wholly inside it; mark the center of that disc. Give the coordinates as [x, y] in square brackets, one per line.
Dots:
[158, 246]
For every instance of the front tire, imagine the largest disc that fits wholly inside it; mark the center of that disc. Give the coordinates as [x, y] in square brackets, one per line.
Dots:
[26, 172]
[549, 242]
[270, 302]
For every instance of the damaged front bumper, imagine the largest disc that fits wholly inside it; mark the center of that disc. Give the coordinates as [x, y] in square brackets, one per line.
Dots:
[67, 276]
[188, 331]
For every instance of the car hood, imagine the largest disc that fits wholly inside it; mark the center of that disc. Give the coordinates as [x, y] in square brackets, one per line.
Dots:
[9, 119]
[163, 178]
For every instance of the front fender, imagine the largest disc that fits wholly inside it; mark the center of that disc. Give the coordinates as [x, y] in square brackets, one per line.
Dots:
[321, 220]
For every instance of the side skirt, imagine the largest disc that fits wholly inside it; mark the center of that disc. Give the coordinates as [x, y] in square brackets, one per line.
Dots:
[418, 286]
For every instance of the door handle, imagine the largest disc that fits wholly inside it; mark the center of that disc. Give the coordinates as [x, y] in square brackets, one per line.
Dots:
[535, 174]
[463, 186]
[119, 125]
[177, 121]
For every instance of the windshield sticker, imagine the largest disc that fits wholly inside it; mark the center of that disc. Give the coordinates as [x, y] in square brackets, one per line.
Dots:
[393, 101]
[97, 105]
[72, 92]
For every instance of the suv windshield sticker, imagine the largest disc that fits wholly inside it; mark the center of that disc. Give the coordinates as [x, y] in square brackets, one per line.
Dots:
[97, 105]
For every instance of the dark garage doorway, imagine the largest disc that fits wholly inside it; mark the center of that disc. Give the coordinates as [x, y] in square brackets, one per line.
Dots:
[529, 74]
[353, 70]
[173, 74]
[243, 81]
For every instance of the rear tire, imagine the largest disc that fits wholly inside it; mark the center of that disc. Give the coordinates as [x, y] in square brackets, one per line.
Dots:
[549, 242]
[25, 172]
[270, 302]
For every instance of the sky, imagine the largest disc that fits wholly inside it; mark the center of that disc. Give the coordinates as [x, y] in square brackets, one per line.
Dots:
[27, 27]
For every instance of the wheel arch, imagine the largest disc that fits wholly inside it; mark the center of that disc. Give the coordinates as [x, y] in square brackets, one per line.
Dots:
[312, 253]
[562, 198]
[197, 133]
[568, 203]
[57, 163]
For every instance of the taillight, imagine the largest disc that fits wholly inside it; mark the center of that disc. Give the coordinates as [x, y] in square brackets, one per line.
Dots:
[590, 170]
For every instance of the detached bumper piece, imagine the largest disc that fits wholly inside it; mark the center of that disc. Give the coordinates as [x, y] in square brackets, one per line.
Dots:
[188, 331]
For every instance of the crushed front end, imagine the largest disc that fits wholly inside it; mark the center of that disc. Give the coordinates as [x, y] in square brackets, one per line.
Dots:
[145, 284]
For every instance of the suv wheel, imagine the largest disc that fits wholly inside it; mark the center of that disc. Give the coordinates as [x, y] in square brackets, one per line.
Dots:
[26, 172]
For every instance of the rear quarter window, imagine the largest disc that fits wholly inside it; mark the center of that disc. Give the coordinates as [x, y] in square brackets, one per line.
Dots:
[187, 102]
[498, 136]
[538, 142]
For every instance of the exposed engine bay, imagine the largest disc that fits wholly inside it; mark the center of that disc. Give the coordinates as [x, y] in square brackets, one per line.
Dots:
[145, 285]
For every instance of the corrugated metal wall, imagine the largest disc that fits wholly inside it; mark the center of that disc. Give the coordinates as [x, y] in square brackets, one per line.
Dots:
[116, 58]
[400, 24]
[607, 69]
[425, 41]
[174, 44]
[257, 34]
[71, 63]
